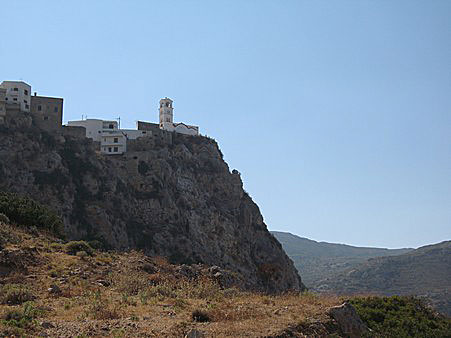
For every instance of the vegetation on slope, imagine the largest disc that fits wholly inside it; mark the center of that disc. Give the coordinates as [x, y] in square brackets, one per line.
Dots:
[424, 272]
[401, 317]
[25, 211]
[316, 261]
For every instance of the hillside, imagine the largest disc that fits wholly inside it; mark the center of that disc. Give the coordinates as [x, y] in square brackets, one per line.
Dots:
[53, 288]
[424, 272]
[170, 195]
[316, 261]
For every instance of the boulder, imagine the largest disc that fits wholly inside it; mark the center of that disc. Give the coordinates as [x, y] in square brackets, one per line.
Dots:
[348, 320]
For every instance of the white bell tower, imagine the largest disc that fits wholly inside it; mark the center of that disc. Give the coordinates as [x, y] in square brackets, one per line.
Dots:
[166, 112]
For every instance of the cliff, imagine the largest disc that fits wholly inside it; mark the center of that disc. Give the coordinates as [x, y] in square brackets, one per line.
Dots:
[170, 195]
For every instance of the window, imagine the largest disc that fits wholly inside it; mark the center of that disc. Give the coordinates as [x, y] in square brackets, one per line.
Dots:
[25, 101]
[111, 126]
[55, 109]
[16, 89]
[116, 149]
[27, 106]
[15, 99]
[116, 140]
[104, 139]
[46, 118]
[109, 149]
[39, 108]
[144, 132]
[25, 92]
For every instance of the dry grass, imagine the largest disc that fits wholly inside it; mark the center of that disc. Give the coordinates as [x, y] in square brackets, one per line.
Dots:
[129, 295]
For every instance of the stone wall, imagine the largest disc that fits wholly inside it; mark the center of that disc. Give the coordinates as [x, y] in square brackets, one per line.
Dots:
[47, 112]
[148, 126]
[74, 131]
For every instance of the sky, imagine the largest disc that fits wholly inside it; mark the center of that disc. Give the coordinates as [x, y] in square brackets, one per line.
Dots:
[336, 113]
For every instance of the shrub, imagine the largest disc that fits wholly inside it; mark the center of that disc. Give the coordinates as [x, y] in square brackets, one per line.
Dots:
[4, 218]
[200, 316]
[82, 254]
[25, 211]
[398, 316]
[13, 294]
[101, 309]
[76, 246]
[22, 318]
[131, 282]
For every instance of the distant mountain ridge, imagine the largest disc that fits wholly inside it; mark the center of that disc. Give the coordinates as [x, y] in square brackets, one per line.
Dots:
[319, 260]
[425, 271]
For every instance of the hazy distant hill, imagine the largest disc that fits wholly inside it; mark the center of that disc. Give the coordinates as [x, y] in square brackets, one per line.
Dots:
[424, 272]
[316, 261]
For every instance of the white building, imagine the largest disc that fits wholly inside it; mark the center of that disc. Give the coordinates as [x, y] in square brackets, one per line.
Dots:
[167, 120]
[18, 93]
[111, 139]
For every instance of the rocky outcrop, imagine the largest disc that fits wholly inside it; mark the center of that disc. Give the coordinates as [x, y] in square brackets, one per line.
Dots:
[170, 194]
[348, 320]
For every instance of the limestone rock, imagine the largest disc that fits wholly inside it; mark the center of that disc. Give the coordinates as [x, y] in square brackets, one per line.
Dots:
[348, 320]
[170, 195]
[193, 333]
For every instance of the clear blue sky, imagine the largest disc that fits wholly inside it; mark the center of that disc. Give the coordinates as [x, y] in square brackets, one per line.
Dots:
[337, 113]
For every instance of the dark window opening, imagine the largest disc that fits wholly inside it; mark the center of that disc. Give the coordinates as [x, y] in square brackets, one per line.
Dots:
[25, 92]
[116, 149]
[109, 149]
[111, 126]
[39, 108]
[15, 99]
[116, 140]
[16, 89]
[27, 106]
[46, 118]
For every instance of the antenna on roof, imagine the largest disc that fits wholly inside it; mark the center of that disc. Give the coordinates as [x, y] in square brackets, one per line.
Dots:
[119, 122]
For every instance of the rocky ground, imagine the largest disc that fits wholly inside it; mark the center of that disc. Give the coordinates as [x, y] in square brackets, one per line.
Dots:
[55, 289]
[51, 288]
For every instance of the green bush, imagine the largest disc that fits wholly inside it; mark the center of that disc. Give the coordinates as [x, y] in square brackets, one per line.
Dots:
[399, 316]
[73, 247]
[22, 318]
[13, 294]
[25, 211]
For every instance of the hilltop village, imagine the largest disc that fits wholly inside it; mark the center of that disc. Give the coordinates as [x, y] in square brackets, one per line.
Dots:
[47, 113]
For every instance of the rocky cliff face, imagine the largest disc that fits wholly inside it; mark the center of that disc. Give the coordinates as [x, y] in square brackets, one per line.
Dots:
[170, 194]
